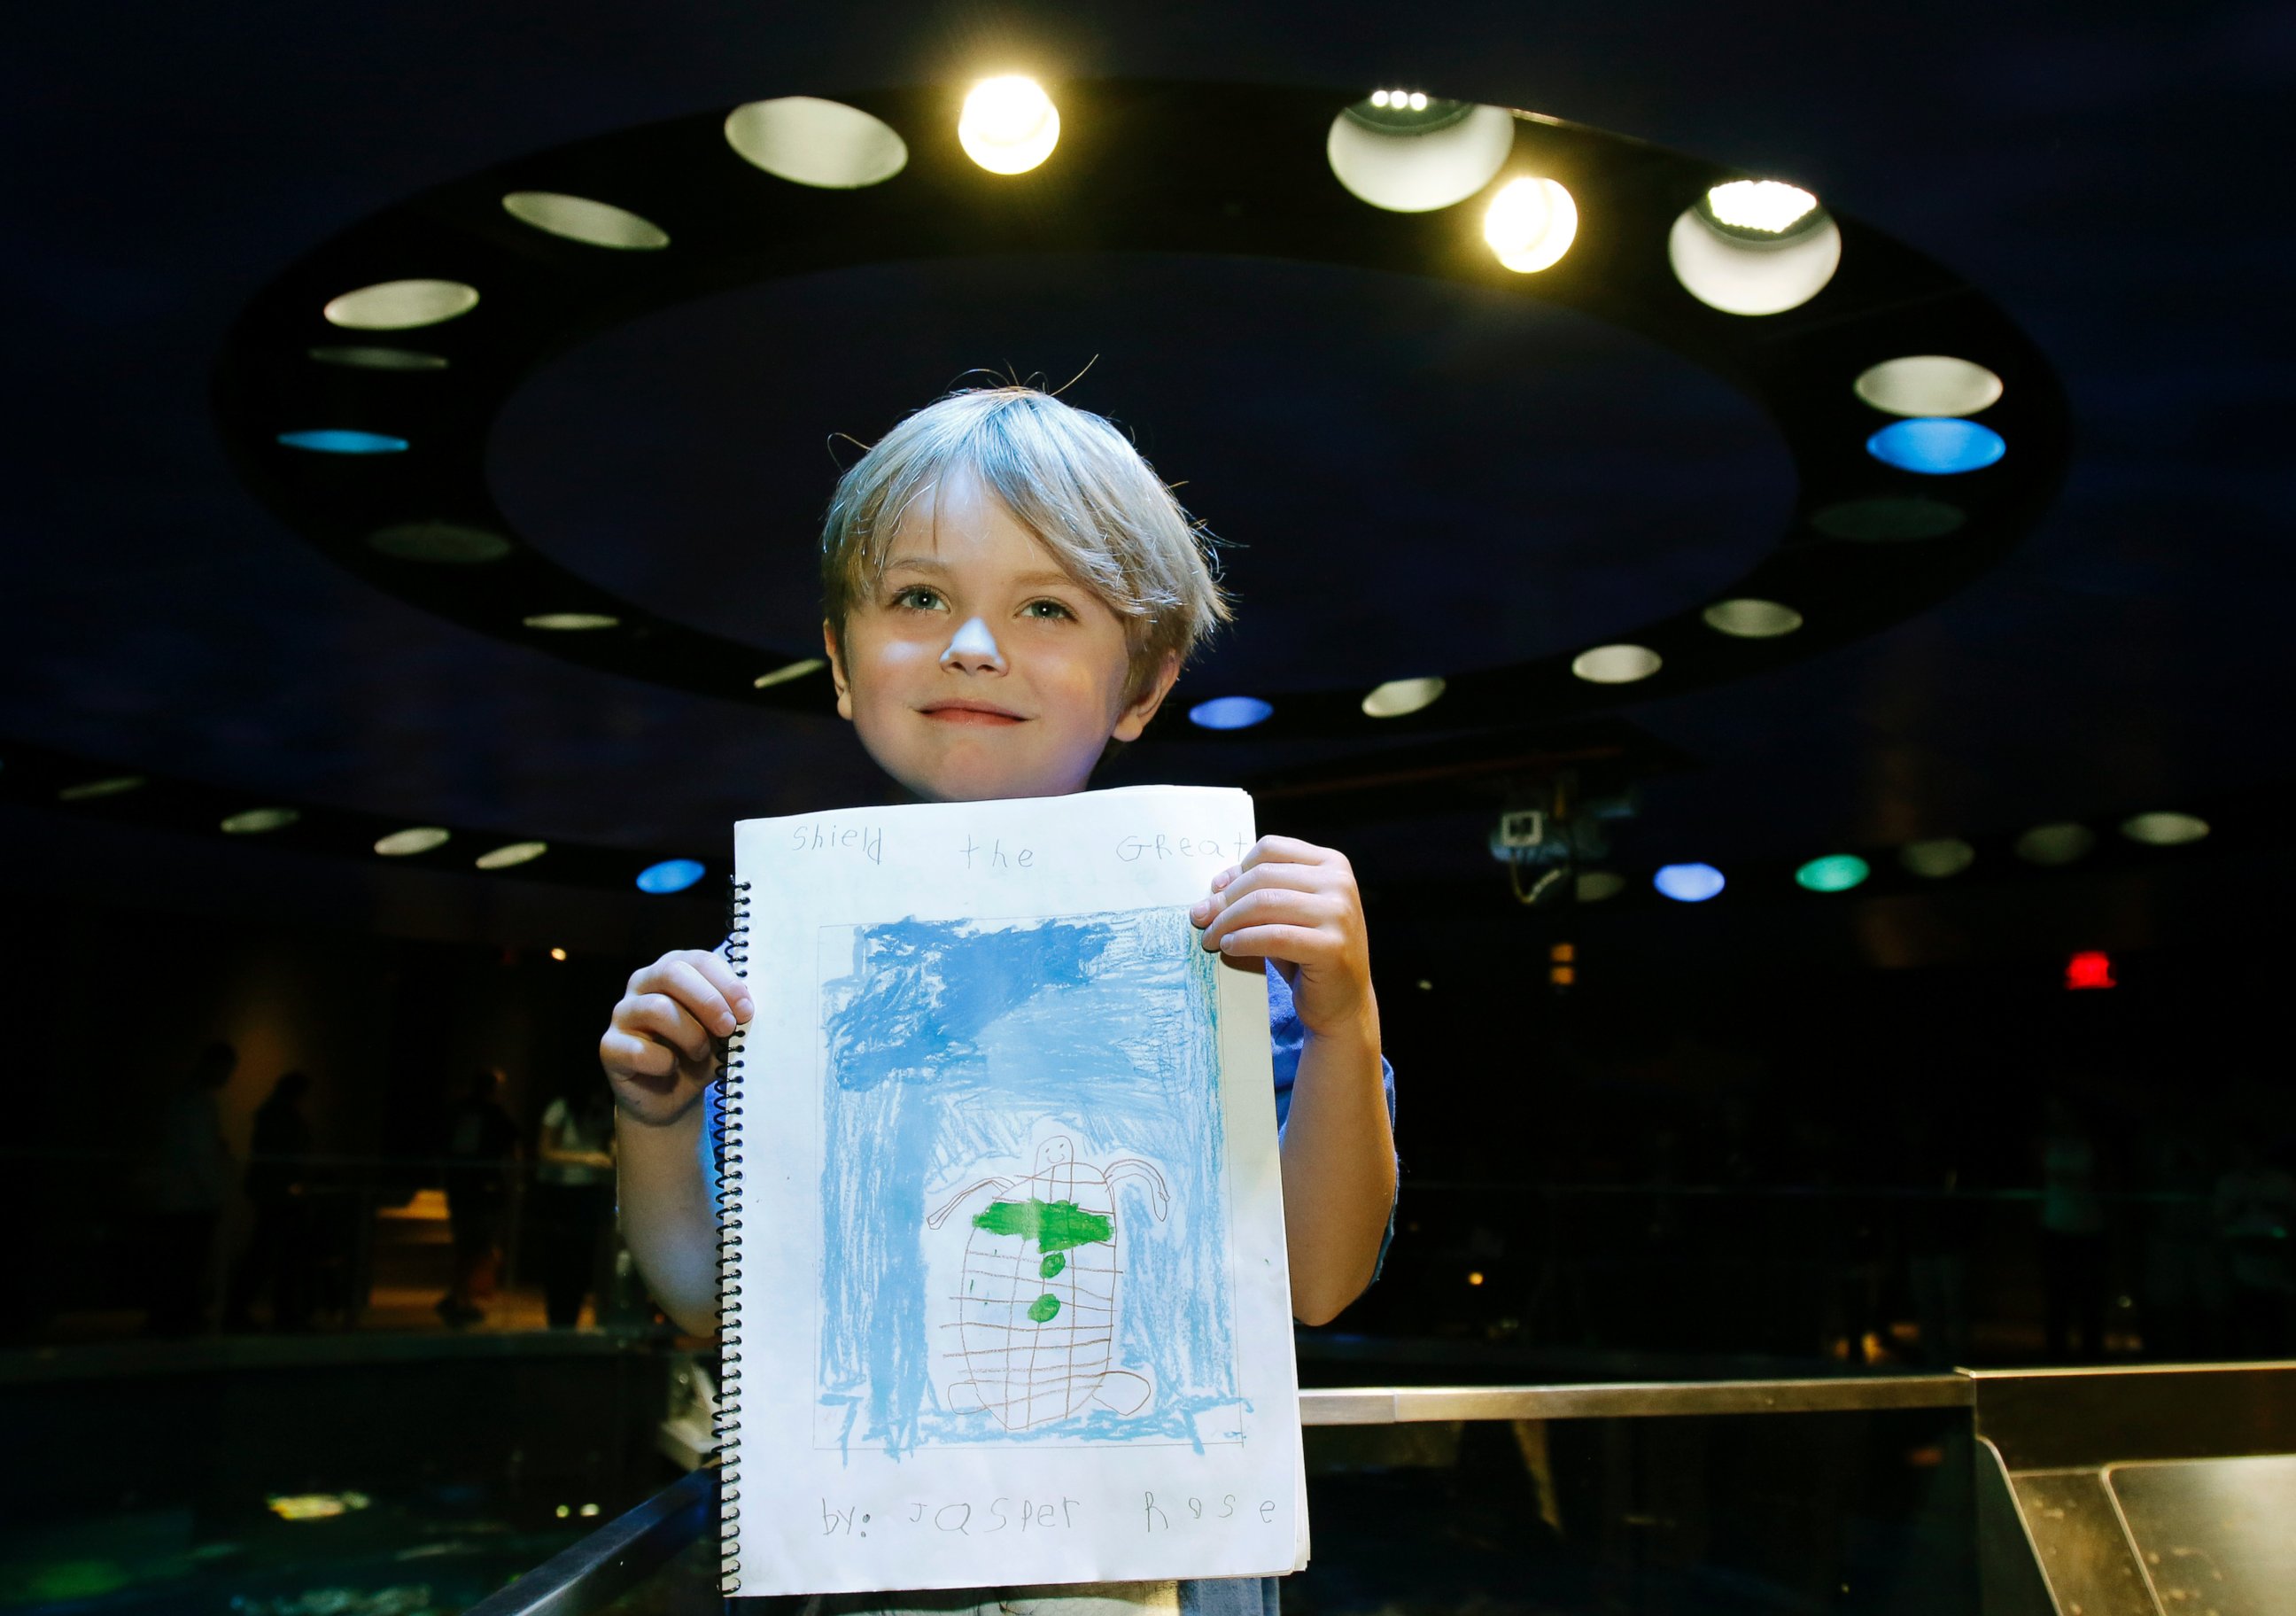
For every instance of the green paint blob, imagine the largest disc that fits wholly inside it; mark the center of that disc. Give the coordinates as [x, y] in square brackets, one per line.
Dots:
[1043, 1308]
[1054, 1225]
[1052, 1265]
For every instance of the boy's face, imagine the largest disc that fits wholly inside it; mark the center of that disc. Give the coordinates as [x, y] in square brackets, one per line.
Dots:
[976, 667]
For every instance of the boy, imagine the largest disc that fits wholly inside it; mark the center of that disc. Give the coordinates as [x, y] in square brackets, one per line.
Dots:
[1008, 590]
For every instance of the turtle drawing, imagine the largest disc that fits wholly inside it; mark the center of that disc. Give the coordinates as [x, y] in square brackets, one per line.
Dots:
[1036, 1321]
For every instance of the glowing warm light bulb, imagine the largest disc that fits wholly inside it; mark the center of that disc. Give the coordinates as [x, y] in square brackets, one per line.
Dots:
[1761, 204]
[1009, 125]
[1530, 224]
[1419, 100]
[1379, 98]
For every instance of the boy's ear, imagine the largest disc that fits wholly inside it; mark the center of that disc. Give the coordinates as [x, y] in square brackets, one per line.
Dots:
[836, 668]
[1134, 717]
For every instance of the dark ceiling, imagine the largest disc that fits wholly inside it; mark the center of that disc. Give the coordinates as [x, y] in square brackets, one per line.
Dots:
[2081, 164]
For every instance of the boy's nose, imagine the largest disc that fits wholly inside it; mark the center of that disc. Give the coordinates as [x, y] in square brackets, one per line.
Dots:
[973, 648]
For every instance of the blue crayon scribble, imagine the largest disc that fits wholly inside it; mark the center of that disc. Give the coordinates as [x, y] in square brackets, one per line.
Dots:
[958, 1054]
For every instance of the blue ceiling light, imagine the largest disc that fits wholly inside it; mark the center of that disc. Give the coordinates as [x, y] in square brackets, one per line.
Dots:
[1688, 883]
[670, 875]
[1229, 712]
[339, 440]
[1936, 445]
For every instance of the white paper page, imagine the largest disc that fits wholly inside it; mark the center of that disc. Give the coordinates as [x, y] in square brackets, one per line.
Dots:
[1010, 1292]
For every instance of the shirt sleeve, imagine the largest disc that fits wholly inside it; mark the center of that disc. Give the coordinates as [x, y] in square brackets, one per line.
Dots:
[1286, 1037]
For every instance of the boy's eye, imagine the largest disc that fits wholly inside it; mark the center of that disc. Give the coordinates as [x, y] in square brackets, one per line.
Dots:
[1051, 609]
[917, 598]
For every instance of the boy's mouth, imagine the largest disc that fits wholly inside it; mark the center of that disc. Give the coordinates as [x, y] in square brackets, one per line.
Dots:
[969, 712]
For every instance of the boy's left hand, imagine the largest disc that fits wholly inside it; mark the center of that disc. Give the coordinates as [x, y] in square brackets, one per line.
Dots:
[1296, 903]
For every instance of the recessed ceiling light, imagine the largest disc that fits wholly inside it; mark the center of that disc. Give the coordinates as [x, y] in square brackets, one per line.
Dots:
[1615, 664]
[558, 954]
[670, 875]
[577, 219]
[1530, 224]
[254, 822]
[1751, 620]
[1744, 269]
[510, 854]
[1593, 886]
[401, 305]
[91, 791]
[1929, 384]
[571, 622]
[1229, 712]
[2056, 844]
[2164, 830]
[1835, 873]
[1398, 697]
[377, 358]
[1871, 521]
[1768, 207]
[1009, 125]
[1936, 445]
[339, 440]
[1688, 883]
[1939, 858]
[447, 543]
[414, 839]
[811, 141]
[784, 674]
[1409, 161]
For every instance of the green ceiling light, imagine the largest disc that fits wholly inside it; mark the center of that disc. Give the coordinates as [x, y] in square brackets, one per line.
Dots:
[91, 791]
[255, 822]
[1835, 873]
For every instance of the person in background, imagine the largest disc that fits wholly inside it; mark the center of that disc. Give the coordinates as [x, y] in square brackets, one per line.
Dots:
[276, 1264]
[481, 1149]
[573, 1188]
[191, 1181]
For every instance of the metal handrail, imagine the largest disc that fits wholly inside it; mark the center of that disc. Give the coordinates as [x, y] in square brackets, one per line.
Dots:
[631, 1545]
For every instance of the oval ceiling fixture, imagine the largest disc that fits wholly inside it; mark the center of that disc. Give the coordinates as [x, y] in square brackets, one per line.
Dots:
[511, 855]
[1884, 521]
[450, 543]
[377, 358]
[255, 822]
[93, 791]
[1615, 664]
[1835, 873]
[1592, 886]
[1530, 225]
[1928, 384]
[414, 839]
[811, 141]
[670, 875]
[1754, 247]
[571, 622]
[342, 440]
[1751, 620]
[2164, 830]
[1410, 158]
[1935, 859]
[1229, 712]
[577, 219]
[1009, 125]
[1688, 883]
[1942, 446]
[2053, 845]
[401, 305]
[788, 671]
[1399, 697]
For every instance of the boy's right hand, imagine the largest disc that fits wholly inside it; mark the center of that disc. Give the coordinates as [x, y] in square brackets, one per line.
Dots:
[659, 1051]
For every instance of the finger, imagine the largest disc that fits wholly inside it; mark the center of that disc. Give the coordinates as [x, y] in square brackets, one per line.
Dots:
[1272, 906]
[658, 1016]
[1294, 877]
[722, 976]
[681, 977]
[628, 1053]
[1295, 945]
[1287, 850]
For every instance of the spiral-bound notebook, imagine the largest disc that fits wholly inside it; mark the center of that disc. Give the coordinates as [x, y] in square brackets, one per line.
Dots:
[1002, 1292]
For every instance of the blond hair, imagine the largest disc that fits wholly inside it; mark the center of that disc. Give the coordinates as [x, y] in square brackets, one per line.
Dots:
[1068, 476]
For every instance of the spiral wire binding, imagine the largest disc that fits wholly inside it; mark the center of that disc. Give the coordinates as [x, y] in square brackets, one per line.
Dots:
[728, 1123]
